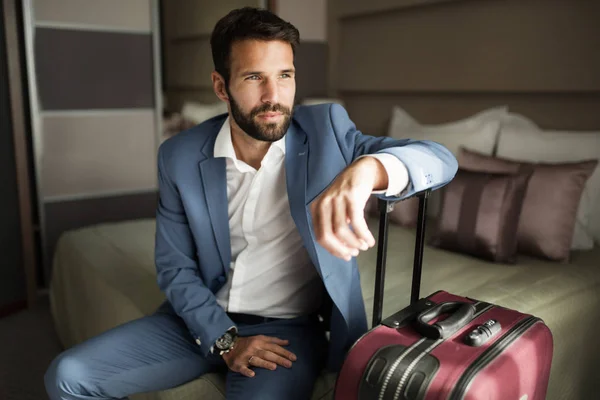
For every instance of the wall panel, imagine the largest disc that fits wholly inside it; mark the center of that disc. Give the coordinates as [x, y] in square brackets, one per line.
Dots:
[132, 14]
[93, 70]
[185, 18]
[445, 60]
[485, 45]
[94, 76]
[189, 63]
[94, 154]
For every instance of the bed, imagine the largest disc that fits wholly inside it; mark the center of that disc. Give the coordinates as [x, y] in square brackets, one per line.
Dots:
[103, 275]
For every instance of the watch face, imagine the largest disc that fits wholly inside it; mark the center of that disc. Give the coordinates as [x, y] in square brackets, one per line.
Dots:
[224, 342]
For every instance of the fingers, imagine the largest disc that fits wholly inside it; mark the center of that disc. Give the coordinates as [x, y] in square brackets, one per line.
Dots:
[241, 365]
[323, 223]
[272, 358]
[246, 372]
[332, 219]
[280, 351]
[361, 229]
[341, 229]
[262, 352]
[262, 361]
[280, 342]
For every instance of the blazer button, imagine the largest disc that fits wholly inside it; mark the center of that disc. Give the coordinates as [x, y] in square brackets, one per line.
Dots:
[222, 279]
[198, 342]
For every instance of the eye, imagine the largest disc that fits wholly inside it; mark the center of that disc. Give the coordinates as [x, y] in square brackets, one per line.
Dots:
[285, 76]
[253, 77]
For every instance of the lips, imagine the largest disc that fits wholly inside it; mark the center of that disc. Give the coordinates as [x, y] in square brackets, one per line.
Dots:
[270, 115]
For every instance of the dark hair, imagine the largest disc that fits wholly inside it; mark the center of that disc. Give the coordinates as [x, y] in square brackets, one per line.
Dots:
[248, 23]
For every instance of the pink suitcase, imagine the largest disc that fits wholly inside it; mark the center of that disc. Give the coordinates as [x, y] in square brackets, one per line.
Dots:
[445, 346]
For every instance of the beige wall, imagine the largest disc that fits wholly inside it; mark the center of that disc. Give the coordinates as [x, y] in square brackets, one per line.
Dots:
[187, 25]
[309, 16]
[443, 60]
[131, 15]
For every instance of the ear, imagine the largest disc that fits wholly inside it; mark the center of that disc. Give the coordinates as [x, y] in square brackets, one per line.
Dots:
[219, 86]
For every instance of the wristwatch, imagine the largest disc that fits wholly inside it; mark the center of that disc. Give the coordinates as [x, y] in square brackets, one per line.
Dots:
[225, 343]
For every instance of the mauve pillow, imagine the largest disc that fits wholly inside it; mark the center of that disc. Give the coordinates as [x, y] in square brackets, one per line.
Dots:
[550, 207]
[405, 212]
[480, 213]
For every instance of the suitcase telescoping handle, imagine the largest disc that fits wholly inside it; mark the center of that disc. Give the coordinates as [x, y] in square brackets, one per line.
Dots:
[385, 207]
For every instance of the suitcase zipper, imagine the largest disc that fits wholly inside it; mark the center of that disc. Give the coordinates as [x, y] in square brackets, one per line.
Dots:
[411, 366]
[390, 373]
[481, 307]
[489, 355]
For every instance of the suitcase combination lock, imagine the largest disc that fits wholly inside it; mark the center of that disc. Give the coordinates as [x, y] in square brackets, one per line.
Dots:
[483, 333]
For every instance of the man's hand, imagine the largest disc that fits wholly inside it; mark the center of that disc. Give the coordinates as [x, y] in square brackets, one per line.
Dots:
[265, 351]
[342, 205]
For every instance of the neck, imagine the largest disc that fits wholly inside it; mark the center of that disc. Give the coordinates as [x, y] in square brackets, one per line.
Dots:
[248, 149]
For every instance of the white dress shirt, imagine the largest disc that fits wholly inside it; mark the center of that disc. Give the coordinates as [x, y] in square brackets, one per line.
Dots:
[271, 274]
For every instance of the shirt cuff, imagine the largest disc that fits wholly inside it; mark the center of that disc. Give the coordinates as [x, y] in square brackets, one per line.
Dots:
[396, 172]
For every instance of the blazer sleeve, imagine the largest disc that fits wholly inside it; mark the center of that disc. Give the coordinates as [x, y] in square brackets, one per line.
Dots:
[177, 267]
[430, 165]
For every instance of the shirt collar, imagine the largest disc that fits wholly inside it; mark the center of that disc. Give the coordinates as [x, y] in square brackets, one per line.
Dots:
[224, 145]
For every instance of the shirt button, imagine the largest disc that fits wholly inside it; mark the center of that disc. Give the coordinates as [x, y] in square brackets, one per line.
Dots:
[198, 342]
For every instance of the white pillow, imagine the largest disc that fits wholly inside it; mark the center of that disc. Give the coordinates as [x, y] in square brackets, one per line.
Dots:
[402, 121]
[478, 132]
[198, 113]
[309, 101]
[555, 147]
[519, 121]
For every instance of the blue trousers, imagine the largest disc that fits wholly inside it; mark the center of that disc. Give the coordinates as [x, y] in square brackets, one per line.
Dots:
[157, 352]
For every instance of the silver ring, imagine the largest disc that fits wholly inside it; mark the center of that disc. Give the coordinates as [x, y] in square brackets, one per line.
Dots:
[250, 360]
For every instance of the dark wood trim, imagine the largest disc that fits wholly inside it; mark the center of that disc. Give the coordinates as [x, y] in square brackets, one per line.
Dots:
[398, 6]
[12, 308]
[272, 6]
[15, 79]
[190, 38]
[184, 88]
[478, 92]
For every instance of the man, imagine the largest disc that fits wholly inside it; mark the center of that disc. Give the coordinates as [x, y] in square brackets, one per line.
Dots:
[259, 220]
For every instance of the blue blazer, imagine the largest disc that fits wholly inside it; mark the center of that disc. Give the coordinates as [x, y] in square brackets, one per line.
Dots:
[193, 251]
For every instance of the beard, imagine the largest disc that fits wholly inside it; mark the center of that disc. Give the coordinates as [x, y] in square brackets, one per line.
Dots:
[263, 131]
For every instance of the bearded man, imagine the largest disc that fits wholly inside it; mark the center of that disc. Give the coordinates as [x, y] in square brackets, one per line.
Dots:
[259, 222]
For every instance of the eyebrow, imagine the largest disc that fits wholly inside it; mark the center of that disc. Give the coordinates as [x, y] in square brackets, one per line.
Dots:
[251, 73]
[247, 73]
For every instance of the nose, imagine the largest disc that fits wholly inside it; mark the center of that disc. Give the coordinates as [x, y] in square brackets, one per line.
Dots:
[270, 91]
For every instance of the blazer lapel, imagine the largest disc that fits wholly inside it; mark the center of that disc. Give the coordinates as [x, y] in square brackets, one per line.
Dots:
[296, 167]
[296, 162]
[214, 179]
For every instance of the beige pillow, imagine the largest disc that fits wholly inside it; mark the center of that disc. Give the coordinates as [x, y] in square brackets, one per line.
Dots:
[549, 211]
[519, 143]
[480, 214]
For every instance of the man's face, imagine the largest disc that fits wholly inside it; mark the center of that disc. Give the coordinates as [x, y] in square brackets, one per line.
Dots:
[262, 87]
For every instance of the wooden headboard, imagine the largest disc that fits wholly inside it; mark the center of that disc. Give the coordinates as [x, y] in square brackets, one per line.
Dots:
[443, 60]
